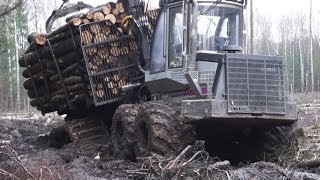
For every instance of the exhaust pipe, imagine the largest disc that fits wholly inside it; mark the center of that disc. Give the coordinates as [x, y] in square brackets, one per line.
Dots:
[193, 37]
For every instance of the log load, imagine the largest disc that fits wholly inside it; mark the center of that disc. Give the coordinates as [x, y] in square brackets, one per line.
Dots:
[55, 68]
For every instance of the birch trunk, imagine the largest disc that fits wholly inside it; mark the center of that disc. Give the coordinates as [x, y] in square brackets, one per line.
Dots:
[251, 28]
[302, 66]
[293, 67]
[311, 50]
[10, 98]
[286, 63]
[18, 93]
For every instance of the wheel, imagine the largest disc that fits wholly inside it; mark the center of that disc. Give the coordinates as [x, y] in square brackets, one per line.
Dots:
[271, 139]
[123, 131]
[139, 130]
[245, 144]
[58, 137]
[160, 131]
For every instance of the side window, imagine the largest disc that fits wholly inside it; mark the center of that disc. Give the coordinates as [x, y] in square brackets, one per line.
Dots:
[175, 37]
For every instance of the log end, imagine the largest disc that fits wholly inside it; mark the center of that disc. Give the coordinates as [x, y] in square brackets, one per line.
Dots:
[76, 21]
[41, 39]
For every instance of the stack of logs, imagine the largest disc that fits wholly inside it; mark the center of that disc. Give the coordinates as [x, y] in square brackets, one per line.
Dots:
[57, 79]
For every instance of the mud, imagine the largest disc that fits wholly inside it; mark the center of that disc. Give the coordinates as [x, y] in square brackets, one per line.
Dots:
[25, 154]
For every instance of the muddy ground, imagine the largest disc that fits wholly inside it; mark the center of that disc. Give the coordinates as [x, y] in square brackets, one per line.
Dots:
[25, 154]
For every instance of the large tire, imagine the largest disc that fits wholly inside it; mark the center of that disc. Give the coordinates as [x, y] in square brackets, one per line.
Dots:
[123, 131]
[152, 127]
[269, 139]
[247, 144]
[58, 137]
[160, 131]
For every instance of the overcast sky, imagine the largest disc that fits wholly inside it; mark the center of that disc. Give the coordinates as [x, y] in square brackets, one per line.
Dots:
[278, 8]
[272, 7]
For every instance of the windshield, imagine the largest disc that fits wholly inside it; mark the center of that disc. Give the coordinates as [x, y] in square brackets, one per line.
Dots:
[217, 27]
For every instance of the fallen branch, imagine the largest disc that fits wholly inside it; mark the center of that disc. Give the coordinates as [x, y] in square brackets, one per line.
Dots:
[41, 169]
[137, 171]
[226, 172]
[6, 173]
[191, 159]
[19, 162]
[313, 163]
[173, 163]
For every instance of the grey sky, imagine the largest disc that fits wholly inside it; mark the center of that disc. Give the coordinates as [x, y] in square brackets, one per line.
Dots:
[272, 7]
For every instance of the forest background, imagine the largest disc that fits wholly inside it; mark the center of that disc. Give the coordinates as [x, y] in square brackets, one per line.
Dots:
[290, 29]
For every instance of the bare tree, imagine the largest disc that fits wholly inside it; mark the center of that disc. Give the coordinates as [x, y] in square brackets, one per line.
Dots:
[311, 50]
[6, 6]
[251, 28]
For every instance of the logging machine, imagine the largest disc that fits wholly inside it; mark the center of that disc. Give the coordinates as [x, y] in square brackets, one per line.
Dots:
[196, 61]
[196, 58]
[183, 59]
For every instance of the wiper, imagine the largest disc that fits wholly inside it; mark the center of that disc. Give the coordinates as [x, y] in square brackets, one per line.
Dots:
[211, 7]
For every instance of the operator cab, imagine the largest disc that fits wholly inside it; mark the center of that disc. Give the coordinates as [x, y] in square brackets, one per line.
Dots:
[219, 28]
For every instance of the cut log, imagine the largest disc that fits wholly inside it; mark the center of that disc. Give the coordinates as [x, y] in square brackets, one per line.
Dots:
[118, 19]
[111, 60]
[85, 21]
[66, 72]
[115, 91]
[72, 23]
[115, 12]
[103, 52]
[59, 50]
[120, 7]
[42, 91]
[31, 37]
[95, 29]
[113, 36]
[91, 50]
[86, 37]
[89, 15]
[41, 39]
[133, 46]
[74, 16]
[70, 93]
[99, 86]
[72, 80]
[28, 83]
[100, 93]
[111, 18]
[98, 16]
[99, 38]
[96, 60]
[115, 42]
[106, 30]
[45, 73]
[36, 38]
[115, 51]
[124, 50]
[56, 38]
[92, 67]
[68, 59]
[33, 70]
[106, 9]
[59, 98]
[63, 98]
